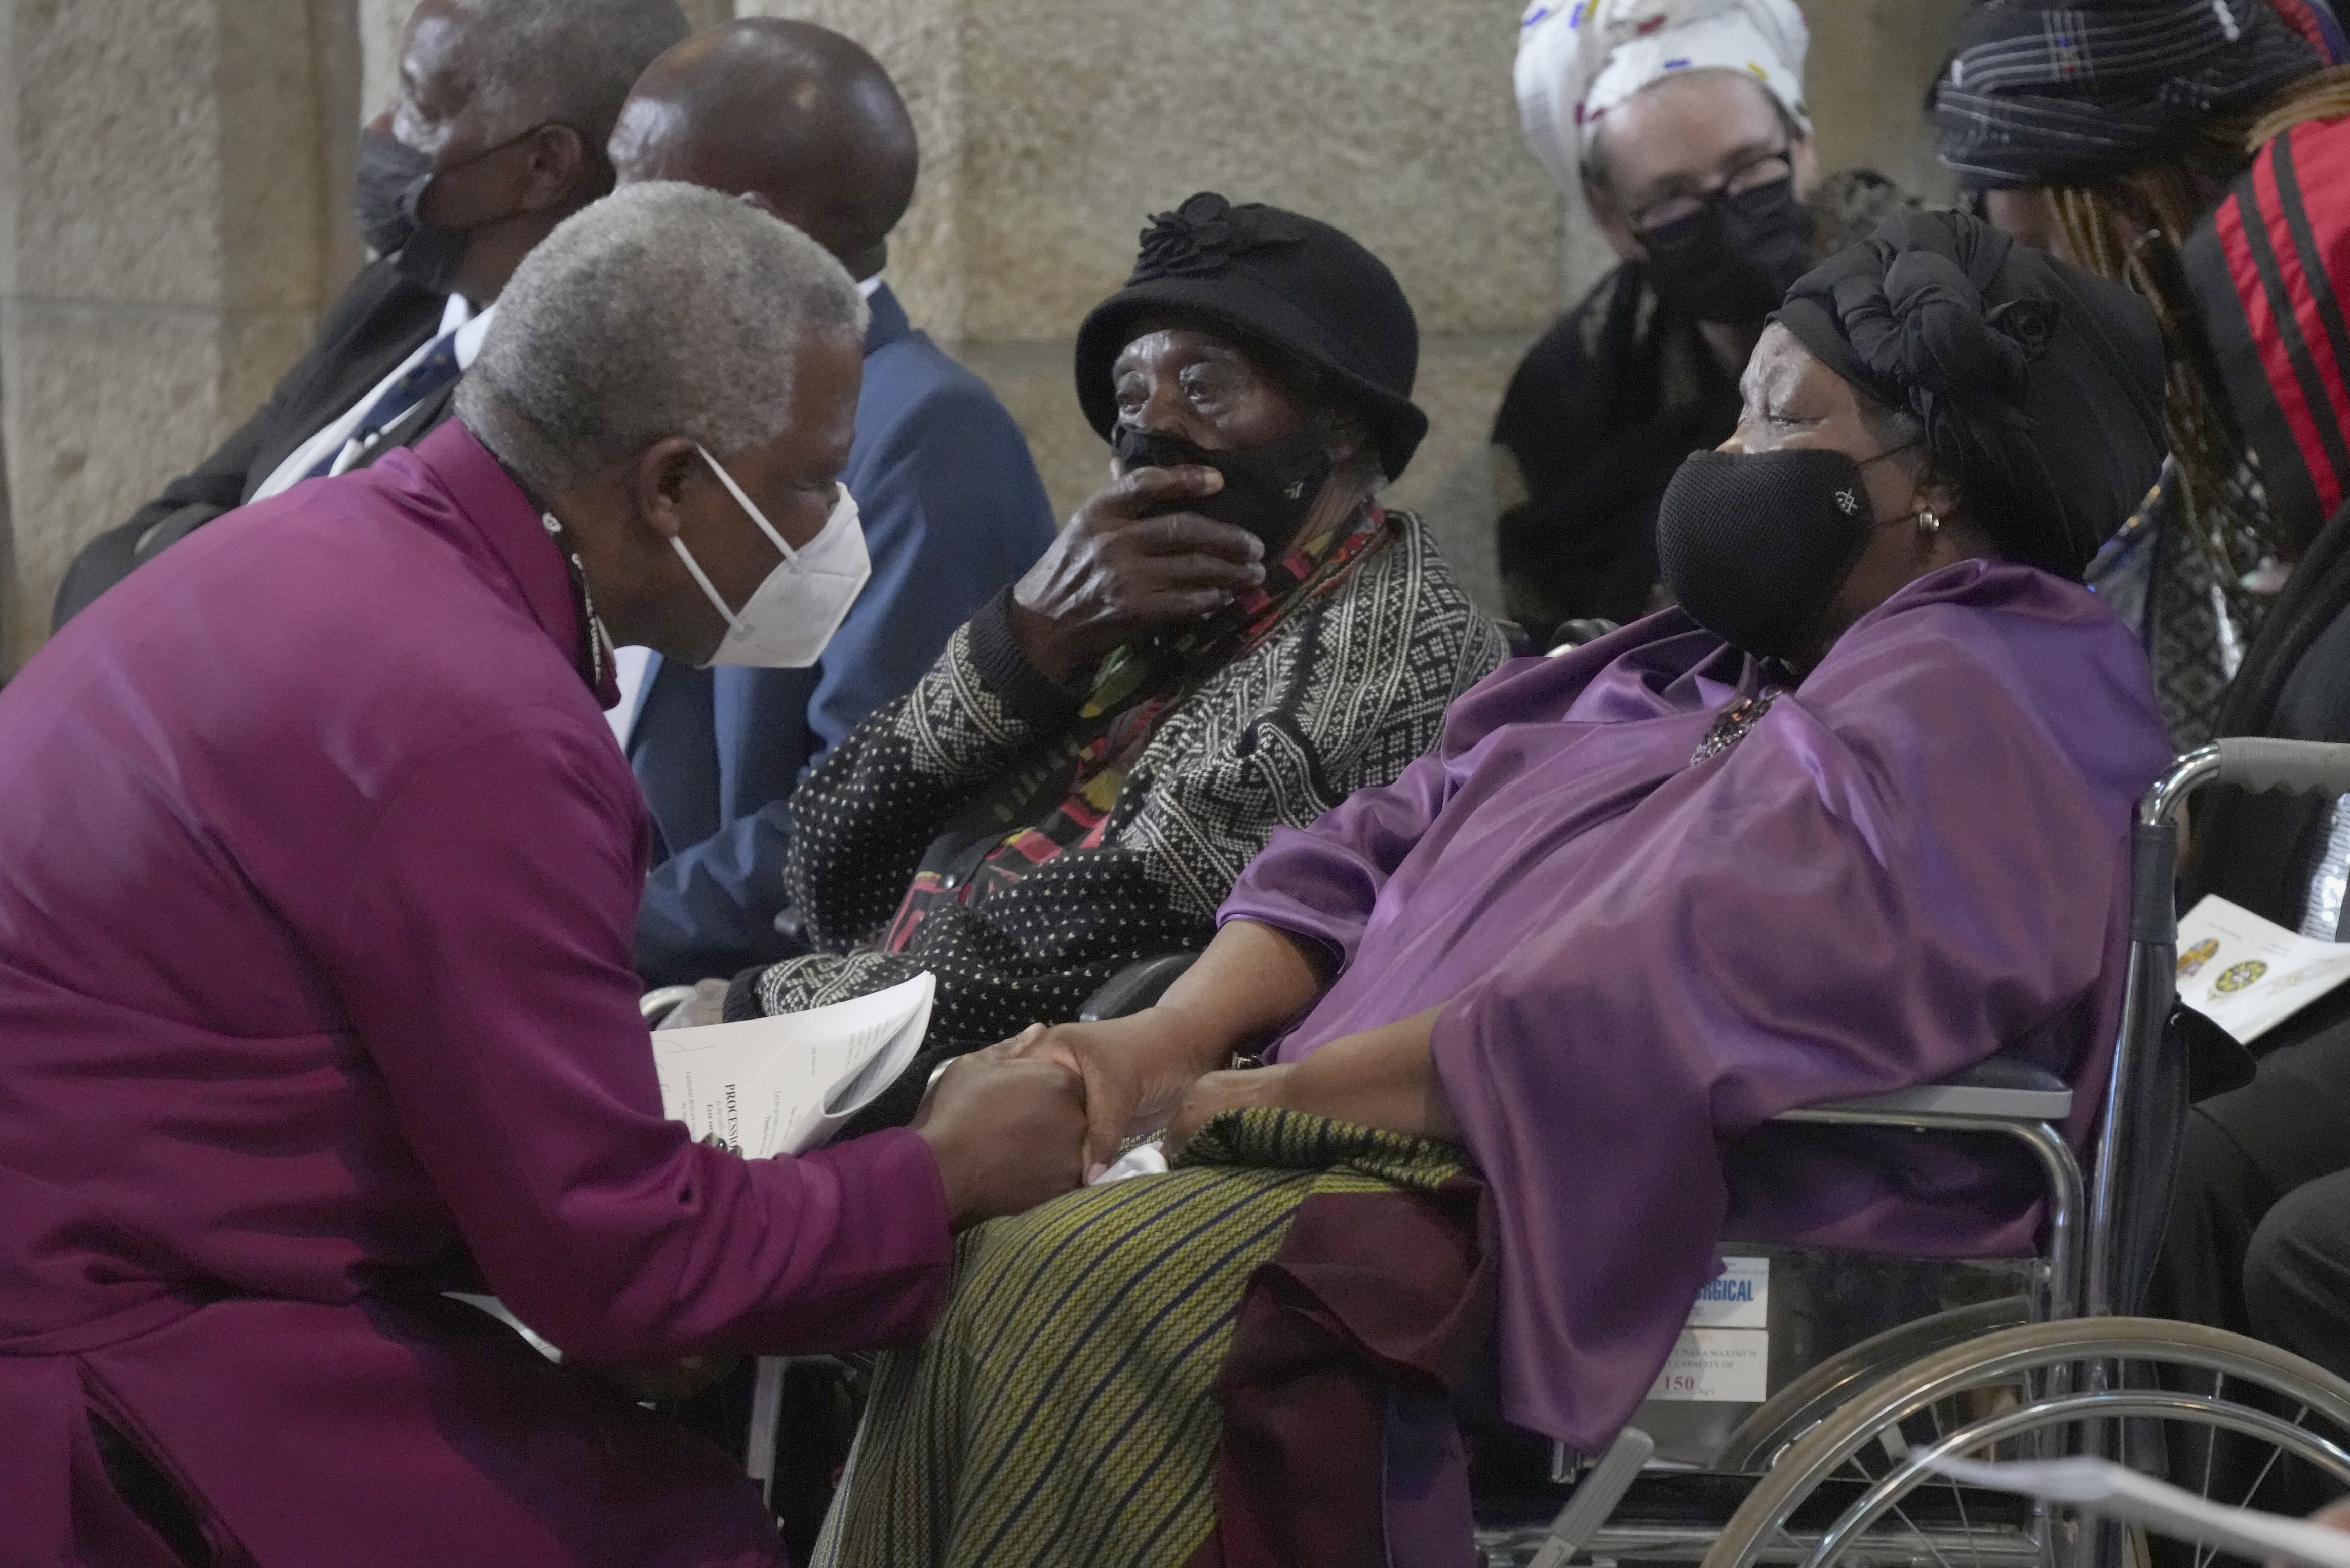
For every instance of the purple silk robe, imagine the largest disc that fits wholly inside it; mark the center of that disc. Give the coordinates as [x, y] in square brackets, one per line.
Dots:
[1915, 860]
[318, 868]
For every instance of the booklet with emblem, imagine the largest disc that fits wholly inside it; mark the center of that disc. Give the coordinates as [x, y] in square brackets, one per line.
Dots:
[784, 1086]
[2247, 975]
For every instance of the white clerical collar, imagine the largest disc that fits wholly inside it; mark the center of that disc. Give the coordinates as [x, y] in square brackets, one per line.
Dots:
[867, 288]
[471, 327]
[470, 334]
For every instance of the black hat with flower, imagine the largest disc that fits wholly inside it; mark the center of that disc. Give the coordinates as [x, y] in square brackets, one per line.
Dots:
[1277, 281]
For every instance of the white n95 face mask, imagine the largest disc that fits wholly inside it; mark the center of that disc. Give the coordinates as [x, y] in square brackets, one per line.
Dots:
[797, 607]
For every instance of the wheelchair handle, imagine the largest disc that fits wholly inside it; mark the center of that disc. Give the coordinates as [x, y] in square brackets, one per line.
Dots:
[656, 1004]
[2252, 763]
[2299, 767]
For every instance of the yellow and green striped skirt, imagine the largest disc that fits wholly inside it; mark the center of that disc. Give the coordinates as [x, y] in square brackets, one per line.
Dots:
[1066, 1408]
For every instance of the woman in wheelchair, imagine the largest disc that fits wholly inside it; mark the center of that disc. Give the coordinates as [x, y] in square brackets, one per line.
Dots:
[1853, 817]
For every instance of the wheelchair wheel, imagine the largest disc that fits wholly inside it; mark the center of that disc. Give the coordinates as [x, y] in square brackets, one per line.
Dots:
[2169, 1397]
[1811, 1399]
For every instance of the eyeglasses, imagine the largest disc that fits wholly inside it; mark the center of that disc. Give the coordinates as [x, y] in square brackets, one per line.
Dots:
[1767, 169]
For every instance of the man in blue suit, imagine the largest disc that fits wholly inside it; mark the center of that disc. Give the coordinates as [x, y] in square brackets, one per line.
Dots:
[804, 122]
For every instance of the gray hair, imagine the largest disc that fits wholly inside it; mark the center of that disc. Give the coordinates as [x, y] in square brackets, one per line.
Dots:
[662, 310]
[566, 61]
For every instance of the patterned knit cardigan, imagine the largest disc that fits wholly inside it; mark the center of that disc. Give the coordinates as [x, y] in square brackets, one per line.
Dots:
[1342, 696]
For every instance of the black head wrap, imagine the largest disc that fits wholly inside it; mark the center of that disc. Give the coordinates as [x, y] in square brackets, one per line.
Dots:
[2038, 93]
[2040, 386]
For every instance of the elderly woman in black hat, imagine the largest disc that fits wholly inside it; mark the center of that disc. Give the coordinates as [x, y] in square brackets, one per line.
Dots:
[1853, 817]
[1230, 636]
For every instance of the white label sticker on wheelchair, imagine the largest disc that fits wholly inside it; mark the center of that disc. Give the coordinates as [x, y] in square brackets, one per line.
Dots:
[1741, 1298]
[1717, 1366]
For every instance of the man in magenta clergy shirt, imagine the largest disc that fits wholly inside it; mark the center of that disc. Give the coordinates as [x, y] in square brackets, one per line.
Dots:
[318, 868]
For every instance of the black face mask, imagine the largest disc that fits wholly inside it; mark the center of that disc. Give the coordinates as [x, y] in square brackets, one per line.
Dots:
[1754, 545]
[1734, 259]
[1267, 489]
[385, 195]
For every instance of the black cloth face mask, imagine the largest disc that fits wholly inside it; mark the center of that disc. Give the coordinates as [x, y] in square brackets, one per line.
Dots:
[1734, 258]
[1267, 489]
[1754, 545]
[388, 187]
[387, 197]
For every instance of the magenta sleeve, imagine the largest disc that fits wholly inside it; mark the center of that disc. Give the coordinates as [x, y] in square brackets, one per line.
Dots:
[483, 957]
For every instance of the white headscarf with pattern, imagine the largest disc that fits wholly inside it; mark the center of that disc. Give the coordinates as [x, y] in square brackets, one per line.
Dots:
[1579, 59]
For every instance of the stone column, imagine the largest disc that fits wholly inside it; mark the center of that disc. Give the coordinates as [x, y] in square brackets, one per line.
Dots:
[168, 225]
[1872, 61]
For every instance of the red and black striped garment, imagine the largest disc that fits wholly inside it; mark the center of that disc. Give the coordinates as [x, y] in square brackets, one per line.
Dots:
[2269, 271]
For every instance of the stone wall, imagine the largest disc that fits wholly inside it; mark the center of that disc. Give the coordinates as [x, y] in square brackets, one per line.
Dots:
[166, 186]
[174, 201]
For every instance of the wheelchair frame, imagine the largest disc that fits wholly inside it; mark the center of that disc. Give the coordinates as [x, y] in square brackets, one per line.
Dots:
[2072, 1339]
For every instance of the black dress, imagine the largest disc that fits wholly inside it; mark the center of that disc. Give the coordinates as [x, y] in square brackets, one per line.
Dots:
[1601, 411]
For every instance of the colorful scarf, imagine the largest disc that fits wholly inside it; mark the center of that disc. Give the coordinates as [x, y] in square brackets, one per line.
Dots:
[1133, 690]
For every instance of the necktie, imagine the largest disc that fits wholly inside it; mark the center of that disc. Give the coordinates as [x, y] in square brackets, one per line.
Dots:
[431, 374]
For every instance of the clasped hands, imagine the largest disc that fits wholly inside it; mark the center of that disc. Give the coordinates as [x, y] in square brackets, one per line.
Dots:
[1023, 1121]
[1155, 1072]
[1027, 1119]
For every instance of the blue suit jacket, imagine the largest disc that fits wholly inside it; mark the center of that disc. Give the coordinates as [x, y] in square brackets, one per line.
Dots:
[952, 511]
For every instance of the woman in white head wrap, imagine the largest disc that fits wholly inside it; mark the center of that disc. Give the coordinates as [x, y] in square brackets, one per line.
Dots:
[1579, 59]
[1704, 183]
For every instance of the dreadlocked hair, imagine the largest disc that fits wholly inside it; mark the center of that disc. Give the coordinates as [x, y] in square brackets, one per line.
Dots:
[2321, 95]
[2130, 229]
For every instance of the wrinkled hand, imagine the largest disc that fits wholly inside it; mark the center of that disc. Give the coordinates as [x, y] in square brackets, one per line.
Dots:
[1135, 1070]
[1216, 1093]
[1007, 1134]
[1116, 571]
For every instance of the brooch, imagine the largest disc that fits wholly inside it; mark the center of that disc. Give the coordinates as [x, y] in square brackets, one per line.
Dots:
[1733, 723]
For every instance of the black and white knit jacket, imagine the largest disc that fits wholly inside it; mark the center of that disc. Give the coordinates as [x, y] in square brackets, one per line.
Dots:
[1341, 697]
